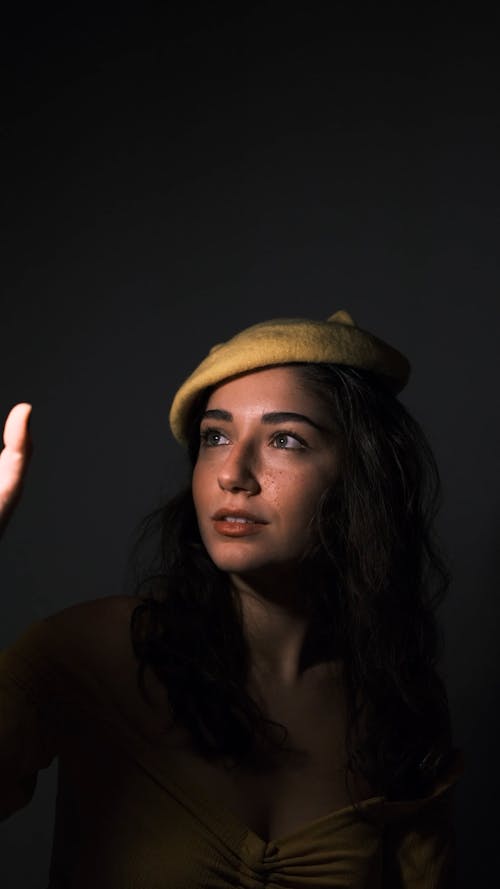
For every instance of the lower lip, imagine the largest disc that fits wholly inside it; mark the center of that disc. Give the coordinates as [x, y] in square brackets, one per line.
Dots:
[237, 529]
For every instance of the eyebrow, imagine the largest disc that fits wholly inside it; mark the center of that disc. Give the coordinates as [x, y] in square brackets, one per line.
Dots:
[271, 418]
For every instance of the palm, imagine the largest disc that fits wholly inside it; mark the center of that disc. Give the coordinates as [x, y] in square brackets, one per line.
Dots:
[14, 456]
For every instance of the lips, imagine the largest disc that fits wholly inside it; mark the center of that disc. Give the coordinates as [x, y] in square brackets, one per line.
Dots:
[237, 523]
[237, 515]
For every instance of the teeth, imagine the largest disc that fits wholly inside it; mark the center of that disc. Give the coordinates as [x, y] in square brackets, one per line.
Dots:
[232, 518]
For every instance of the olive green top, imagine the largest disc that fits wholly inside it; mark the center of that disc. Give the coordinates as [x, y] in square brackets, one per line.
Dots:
[124, 822]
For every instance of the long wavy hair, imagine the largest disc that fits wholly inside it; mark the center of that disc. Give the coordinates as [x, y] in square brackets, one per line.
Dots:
[373, 578]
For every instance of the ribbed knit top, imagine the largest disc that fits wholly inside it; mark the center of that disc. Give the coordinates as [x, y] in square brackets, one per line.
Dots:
[124, 821]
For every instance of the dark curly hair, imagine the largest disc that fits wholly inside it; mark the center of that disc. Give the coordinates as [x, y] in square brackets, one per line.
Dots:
[374, 579]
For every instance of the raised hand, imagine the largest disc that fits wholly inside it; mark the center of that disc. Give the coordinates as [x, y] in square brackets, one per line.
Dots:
[14, 458]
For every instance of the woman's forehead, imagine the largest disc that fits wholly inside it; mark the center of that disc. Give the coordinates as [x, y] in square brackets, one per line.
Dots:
[281, 388]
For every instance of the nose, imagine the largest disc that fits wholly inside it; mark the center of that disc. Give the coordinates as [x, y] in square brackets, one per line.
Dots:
[238, 471]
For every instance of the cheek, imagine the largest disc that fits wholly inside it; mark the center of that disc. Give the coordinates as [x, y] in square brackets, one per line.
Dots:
[285, 491]
[294, 495]
[308, 491]
[274, 484]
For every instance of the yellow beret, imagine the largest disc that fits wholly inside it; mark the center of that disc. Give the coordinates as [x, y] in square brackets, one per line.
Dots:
[284, 341]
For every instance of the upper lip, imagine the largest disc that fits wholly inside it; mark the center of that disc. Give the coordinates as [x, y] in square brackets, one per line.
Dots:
[238, 513]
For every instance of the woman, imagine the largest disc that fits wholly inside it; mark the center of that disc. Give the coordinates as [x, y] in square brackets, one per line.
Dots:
[268, 710]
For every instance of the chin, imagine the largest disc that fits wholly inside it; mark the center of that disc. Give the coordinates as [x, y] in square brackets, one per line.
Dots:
[252, 555]
[234, 559]
[235, 565]
[251, 564]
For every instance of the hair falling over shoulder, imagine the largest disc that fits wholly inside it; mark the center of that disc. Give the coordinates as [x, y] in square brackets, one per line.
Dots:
[379, 577]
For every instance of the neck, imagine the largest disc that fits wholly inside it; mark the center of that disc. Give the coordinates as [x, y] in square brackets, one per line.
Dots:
[278, 626]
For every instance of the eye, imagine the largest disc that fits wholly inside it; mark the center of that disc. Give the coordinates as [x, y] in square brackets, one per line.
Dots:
[212, 438]
[288, 441]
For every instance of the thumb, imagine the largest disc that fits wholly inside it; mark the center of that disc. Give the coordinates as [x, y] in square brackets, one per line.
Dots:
[16, 431]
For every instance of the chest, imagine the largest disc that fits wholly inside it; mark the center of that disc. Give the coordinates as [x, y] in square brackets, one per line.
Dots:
[304, 786]
[301, 788]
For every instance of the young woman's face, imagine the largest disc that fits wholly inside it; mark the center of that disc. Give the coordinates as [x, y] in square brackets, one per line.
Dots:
[268, 450]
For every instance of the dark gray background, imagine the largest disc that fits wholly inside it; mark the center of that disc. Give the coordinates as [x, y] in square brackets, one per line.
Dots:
[170, 178]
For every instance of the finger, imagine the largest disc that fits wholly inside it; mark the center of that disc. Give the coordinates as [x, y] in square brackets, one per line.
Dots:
[16, 434]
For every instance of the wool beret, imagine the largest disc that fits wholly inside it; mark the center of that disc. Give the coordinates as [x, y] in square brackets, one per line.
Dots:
[338, 340]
